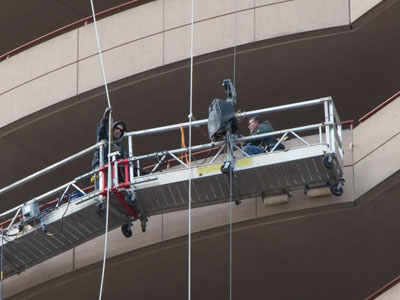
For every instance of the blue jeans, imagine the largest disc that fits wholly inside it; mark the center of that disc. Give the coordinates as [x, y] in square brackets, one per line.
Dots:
[253, 150]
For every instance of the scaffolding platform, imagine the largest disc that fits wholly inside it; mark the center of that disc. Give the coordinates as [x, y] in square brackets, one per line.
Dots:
[267, 174]
[61, 225]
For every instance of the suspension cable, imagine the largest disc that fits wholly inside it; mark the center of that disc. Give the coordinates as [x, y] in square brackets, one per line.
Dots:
[109, 149]
[234, 46]
[100, 53]
[190, 154]
[231, 169]
[2, 262]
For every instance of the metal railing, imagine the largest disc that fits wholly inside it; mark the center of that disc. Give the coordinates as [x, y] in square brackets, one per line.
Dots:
[331, 126]
[379, 107]
[64, 29]
[329, 130]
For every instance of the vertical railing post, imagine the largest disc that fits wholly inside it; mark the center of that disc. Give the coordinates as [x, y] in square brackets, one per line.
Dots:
[130, 152]
[101, 173]
[339, 129]
[327, 133]
[320, 134]
[115, 166]
[138, 167]
[332, 126]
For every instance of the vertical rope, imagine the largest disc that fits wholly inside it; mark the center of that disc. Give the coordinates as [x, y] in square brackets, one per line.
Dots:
[230, 231]
[100, 53]
[2, 262]
[109, 150]
[231, 171]
[190, 155]
[234, 48]
[349, 8]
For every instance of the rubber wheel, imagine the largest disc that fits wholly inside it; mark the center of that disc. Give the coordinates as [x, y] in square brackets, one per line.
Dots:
[225, 168]
[336, 191]
[100, 209]
[126, 231]
[328, 161]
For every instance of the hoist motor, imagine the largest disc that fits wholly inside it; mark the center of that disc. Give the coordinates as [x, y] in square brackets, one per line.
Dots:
[30, 211]
[221, 116]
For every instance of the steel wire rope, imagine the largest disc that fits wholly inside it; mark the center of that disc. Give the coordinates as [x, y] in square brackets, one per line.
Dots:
[231, 169]
[109, 150]
[190, 153]
[2, 263]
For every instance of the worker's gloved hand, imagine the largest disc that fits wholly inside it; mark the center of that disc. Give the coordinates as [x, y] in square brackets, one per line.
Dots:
[107, 112]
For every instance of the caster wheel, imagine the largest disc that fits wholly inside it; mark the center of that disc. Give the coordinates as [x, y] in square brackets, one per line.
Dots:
[100, 209]
[226, 167]
[337, 190]
[126, 230]
[328, 161]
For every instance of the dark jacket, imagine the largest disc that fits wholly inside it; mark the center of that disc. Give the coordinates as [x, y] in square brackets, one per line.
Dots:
[266, 142]
[102, 134]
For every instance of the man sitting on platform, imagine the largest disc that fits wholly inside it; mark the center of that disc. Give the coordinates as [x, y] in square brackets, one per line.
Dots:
[256, 126]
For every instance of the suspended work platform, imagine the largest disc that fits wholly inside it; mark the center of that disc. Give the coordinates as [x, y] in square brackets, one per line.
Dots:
[267, 174]
[43, 227]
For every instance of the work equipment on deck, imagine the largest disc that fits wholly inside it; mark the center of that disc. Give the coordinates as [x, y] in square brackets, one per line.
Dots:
[46, 228]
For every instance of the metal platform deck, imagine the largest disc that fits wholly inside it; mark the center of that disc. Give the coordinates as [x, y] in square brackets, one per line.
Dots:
[59, 226]
[266, 174]
[66, 227]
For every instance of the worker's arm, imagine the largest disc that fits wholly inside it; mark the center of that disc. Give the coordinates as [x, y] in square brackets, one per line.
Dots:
[103, 125]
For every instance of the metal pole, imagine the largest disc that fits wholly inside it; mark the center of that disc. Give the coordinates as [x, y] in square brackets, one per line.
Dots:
[332, 126]
[13, 220]
[218, 153]
[130, 150]
[246, 114]
[320, 134]
[101, 163]
[39, 198]
[45, 195]
[179, 161]
[48, 169]
[339, 128]
[326, 110]
[243, 139]
[115, 181]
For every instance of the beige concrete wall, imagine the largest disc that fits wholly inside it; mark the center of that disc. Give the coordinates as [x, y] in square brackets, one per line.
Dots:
[149, 36]
[68, 65]
[392, 294]
[360, 7]
[375, 144]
